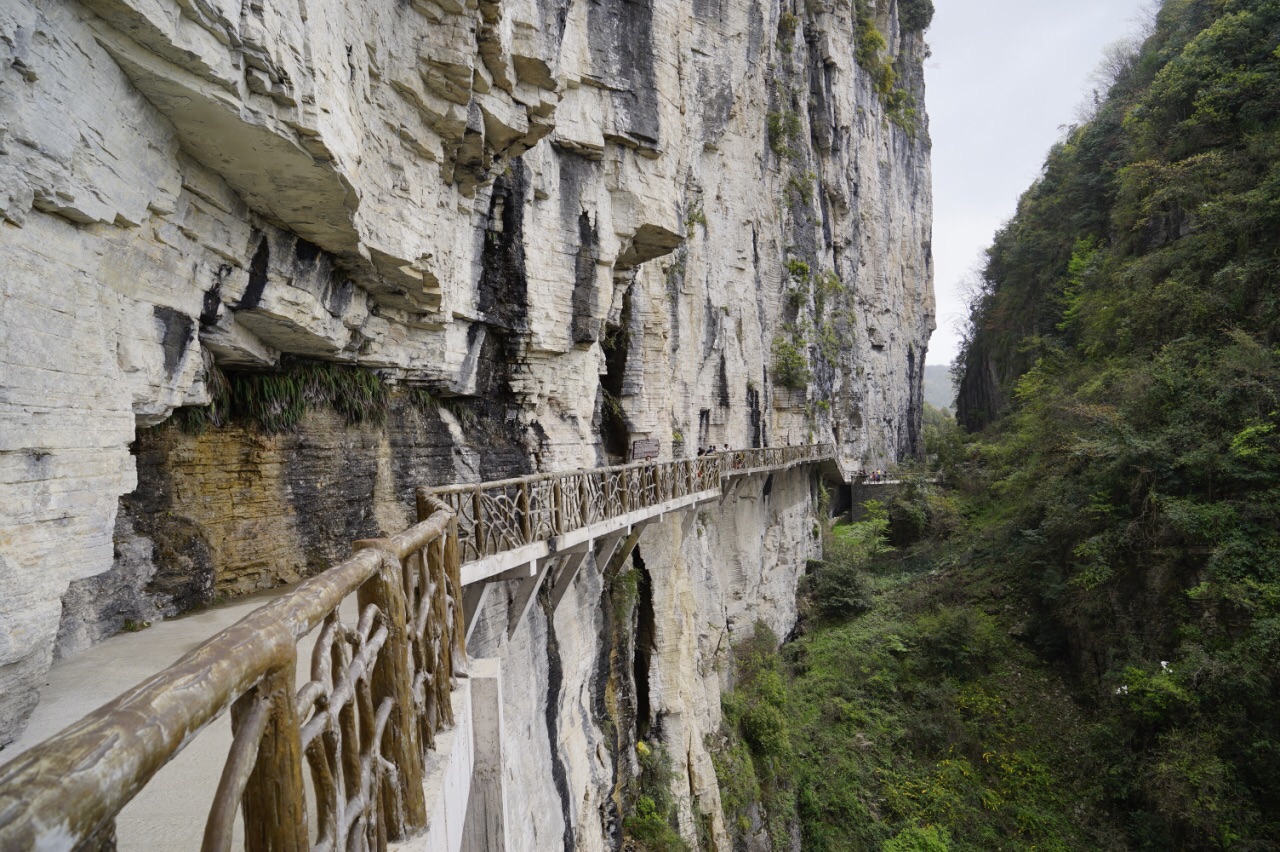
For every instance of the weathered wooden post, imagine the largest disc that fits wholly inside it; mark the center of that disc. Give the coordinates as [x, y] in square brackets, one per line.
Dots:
[442, 640]
[478, 526]
[557, 498]
[274, 800]
[526, 518]
[457, 612]
[404, 808]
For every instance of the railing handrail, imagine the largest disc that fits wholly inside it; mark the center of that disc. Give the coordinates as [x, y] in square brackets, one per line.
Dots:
[467, 487]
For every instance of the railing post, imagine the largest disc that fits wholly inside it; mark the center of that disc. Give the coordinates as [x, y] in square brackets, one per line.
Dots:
[626, 490]
[274, 801]
[557, 497]
[526, 519]
[424, 511]
[457, 612]
[404, 807]
[477, 527]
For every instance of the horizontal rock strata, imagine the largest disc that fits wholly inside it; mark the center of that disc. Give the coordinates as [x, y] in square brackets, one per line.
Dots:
[566, 225]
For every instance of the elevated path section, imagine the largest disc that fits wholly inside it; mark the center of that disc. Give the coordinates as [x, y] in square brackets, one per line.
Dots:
[359, 674]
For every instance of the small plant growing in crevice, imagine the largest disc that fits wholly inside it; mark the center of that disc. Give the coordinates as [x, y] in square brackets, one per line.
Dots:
[461, 411]
[800, 190]
[790, 366]
[797, 269]
[788, 23]
[695, 217]
[421, 399]
[784, 130]
[275, 402]
[827, 289]
[899, 104]
[829, 341]
[651, 824]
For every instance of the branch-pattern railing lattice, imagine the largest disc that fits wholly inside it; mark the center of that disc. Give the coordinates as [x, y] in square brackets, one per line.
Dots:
[495, 517]
[377, 691]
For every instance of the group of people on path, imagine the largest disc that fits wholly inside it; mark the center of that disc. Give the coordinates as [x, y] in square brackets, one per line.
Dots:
[877, 475]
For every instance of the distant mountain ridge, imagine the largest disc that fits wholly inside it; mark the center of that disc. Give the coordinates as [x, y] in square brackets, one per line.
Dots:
[939, 389]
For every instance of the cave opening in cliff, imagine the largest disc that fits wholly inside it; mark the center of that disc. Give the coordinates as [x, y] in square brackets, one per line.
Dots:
[642, 655]
[614, 431]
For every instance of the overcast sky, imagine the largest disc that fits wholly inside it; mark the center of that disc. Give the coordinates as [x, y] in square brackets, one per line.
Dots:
[1004, 77]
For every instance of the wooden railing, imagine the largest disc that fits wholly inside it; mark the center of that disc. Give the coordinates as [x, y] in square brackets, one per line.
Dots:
[742, 461]
[378, 692]
[494, 517]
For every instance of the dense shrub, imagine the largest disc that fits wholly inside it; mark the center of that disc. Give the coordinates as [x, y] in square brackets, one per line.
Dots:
[837, 585]
[915, 15]
[1130, 477]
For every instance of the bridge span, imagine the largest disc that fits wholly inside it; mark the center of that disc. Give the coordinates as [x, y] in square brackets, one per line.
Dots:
[360, 673]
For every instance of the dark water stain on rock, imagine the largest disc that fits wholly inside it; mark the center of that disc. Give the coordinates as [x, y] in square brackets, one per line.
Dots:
[585, 326]
[177, 330]
[622, 52]
[422, 450]
[755, 417]
[722, 389]
[184, 575]
[645, 643]
[559, 772]
[257, 276]
[910, 443]
[211, 305]
[598, 689]
[330, 478]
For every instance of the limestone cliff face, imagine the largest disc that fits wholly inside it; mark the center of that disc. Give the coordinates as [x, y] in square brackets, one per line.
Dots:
[585, 222]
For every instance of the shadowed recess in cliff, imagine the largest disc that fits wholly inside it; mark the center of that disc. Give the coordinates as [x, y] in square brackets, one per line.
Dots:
[614, 429]
[502, 294]
[644, 646]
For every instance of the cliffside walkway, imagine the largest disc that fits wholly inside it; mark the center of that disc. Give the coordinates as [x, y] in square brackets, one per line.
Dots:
[391, 718]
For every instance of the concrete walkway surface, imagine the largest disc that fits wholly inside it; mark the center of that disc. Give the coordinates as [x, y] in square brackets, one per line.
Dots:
[170, 812]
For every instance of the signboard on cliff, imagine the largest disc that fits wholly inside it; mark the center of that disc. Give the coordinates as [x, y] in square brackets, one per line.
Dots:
[644, 450]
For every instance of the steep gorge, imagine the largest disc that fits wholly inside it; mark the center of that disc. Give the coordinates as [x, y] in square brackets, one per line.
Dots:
[539, 224]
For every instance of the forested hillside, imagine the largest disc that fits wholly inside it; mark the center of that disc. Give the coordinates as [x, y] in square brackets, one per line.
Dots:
[1122, 379]
[1074, 641]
